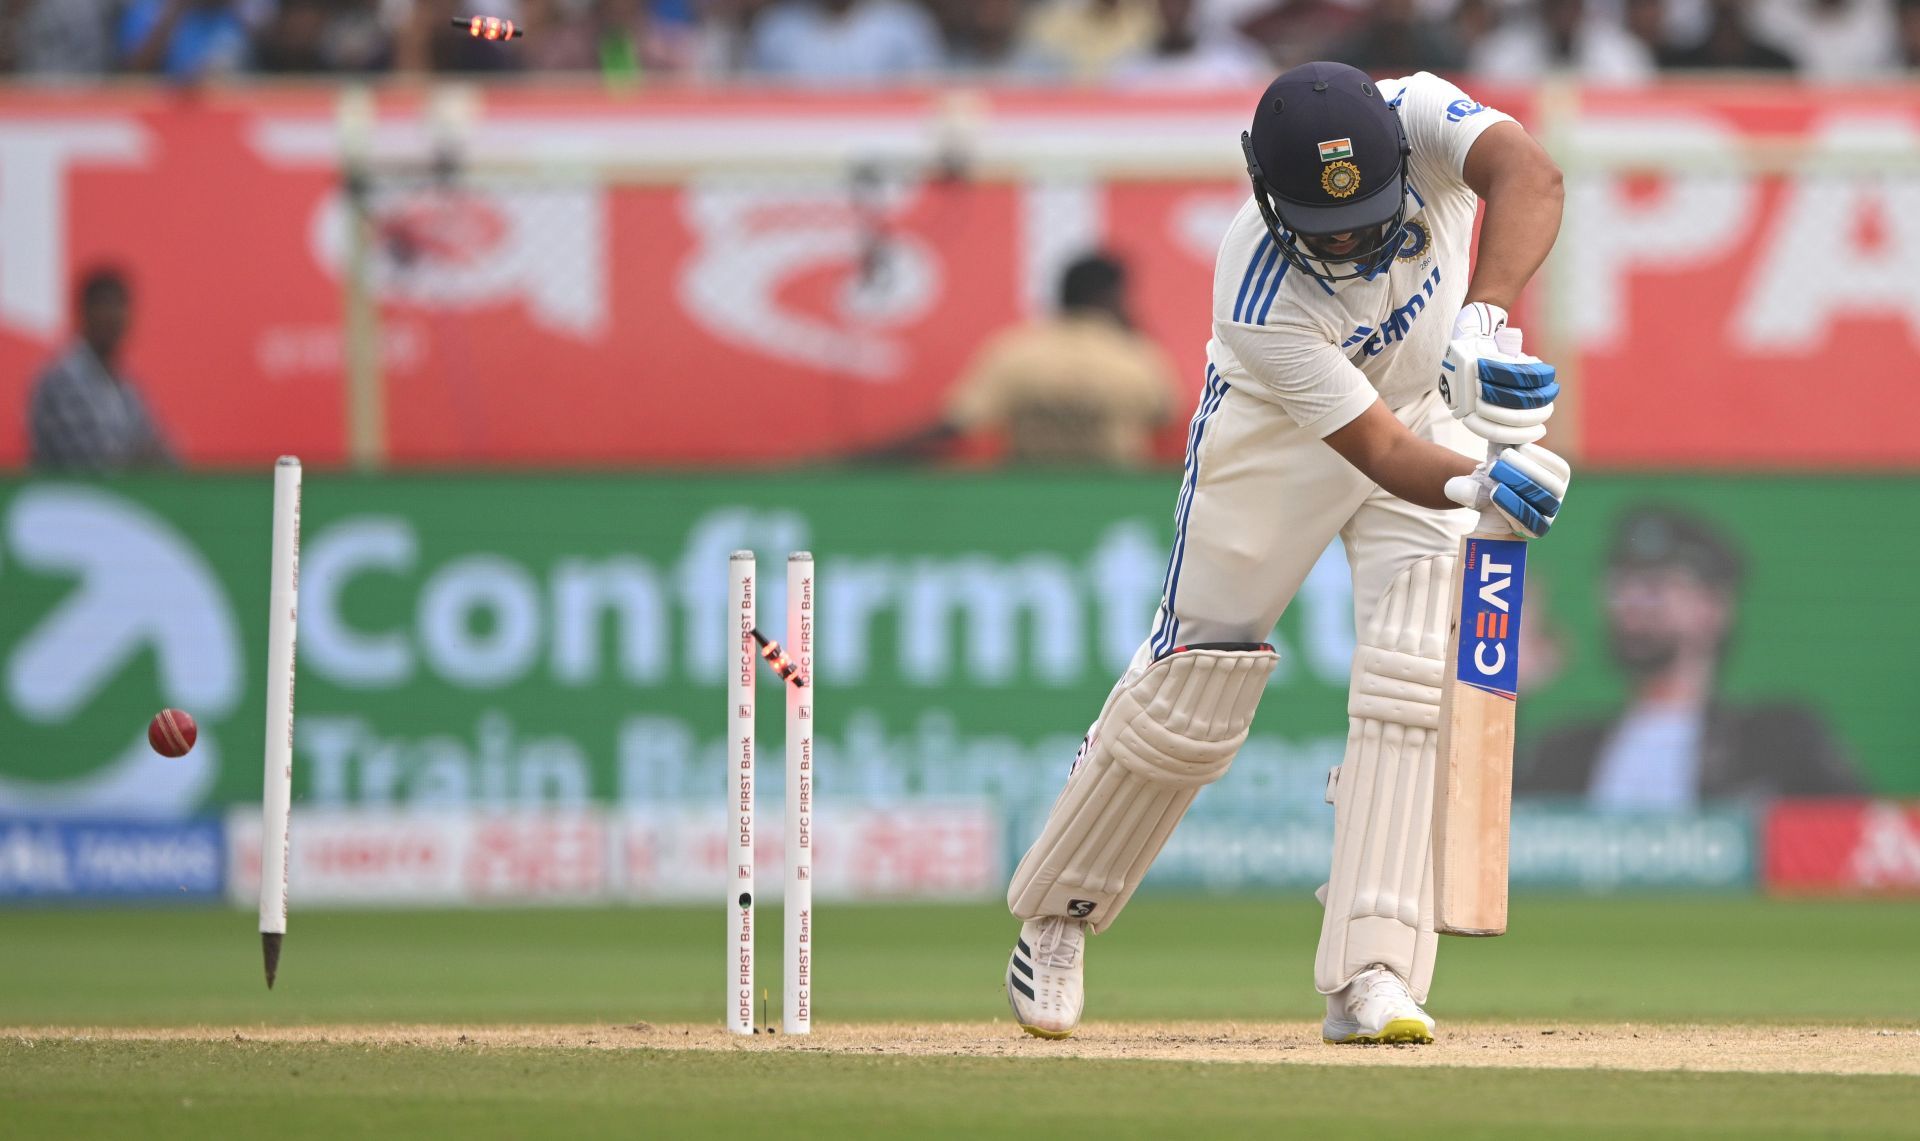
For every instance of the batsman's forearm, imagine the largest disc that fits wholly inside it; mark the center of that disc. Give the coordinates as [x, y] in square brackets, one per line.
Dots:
[1409, 467]
[1418, 470]
[1523, 219]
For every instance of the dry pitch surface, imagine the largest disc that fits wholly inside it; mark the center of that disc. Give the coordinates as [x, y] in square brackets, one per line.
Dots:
[1627, 1046]
[1660, 1018]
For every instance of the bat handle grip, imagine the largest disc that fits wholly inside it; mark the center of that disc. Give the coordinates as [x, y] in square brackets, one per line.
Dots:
[1491, 521]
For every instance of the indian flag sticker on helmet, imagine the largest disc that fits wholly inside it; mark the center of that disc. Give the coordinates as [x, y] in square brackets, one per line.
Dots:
[1335, 149]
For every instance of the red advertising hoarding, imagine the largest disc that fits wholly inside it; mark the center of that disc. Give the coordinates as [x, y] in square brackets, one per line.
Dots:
[1842, 847]
[760, 276]
[1746, 298]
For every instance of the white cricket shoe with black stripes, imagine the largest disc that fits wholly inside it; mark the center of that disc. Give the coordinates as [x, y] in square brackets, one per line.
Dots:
[1376, 1009]
[1045, 976]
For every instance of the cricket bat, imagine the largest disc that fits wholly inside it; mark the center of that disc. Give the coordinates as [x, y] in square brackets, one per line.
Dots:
[1473, 792]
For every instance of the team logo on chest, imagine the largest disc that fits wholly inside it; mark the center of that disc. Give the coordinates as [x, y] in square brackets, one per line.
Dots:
[1414, 242]
[1340, 179]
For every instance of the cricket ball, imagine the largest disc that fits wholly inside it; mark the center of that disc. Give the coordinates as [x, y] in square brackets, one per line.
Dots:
[172, 733]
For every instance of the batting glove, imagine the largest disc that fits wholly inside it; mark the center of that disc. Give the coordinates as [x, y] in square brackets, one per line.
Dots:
[1489, 384]
[1524, 485]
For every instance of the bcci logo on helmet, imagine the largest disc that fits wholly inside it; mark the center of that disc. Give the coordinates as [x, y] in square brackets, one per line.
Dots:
[1340, 179]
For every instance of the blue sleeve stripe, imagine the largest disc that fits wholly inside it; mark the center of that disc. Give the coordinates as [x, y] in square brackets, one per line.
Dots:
[1260, 285]
[1275, 291]
[1246, 280]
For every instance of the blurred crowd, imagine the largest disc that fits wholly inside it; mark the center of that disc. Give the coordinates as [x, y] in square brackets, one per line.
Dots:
[1176, 43]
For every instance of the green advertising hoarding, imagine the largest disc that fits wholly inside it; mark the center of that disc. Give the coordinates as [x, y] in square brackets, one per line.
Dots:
[510, 640]
[492, 641]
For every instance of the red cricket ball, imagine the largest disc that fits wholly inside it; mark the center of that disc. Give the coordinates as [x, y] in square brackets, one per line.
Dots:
[172, 733]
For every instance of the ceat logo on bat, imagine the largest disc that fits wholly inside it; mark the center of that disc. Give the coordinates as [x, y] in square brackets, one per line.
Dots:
[1491, 591]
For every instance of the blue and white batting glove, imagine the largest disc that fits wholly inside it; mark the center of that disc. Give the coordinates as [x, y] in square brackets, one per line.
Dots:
[1524, 485]
[1489, 384]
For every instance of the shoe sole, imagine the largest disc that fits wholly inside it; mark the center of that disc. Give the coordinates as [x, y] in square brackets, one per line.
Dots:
[1399, 1032]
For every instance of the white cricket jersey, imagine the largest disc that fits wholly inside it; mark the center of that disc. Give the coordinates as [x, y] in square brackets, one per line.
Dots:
[1323, 350]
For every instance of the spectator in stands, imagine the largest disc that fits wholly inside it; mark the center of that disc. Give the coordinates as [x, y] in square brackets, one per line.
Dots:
[560, 37]
[984, 36]
[1831, 40]
[1078, 387]
[1086, 38]
[83, 414]
[1563, 36]
[186, 39]
[621, 39]
[1221, 15]
[1728, 45]
[53, 38]
[1183, 56]
[1473, 21]
[1397, 40]
[657, 36]
[293, 40]
[1296, 31]
[1671, 608]
[1909, 40]
[1648, 21]
[358, 36]
[845, 41]
[722, 33]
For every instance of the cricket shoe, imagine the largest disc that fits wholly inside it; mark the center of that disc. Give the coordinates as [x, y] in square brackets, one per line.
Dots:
[1045, 976]
[1376, 1008]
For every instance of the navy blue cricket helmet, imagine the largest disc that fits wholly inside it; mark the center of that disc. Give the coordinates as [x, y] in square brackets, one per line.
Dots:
[1327, 155]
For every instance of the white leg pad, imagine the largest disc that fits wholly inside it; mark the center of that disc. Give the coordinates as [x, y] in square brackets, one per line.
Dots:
[1379, 899]
[1163, 736]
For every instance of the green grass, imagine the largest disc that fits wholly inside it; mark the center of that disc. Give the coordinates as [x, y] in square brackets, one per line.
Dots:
[1172, 958]
[195, 1090]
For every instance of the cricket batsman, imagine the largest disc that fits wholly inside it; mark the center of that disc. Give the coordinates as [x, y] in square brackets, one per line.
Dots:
[1358, 372]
